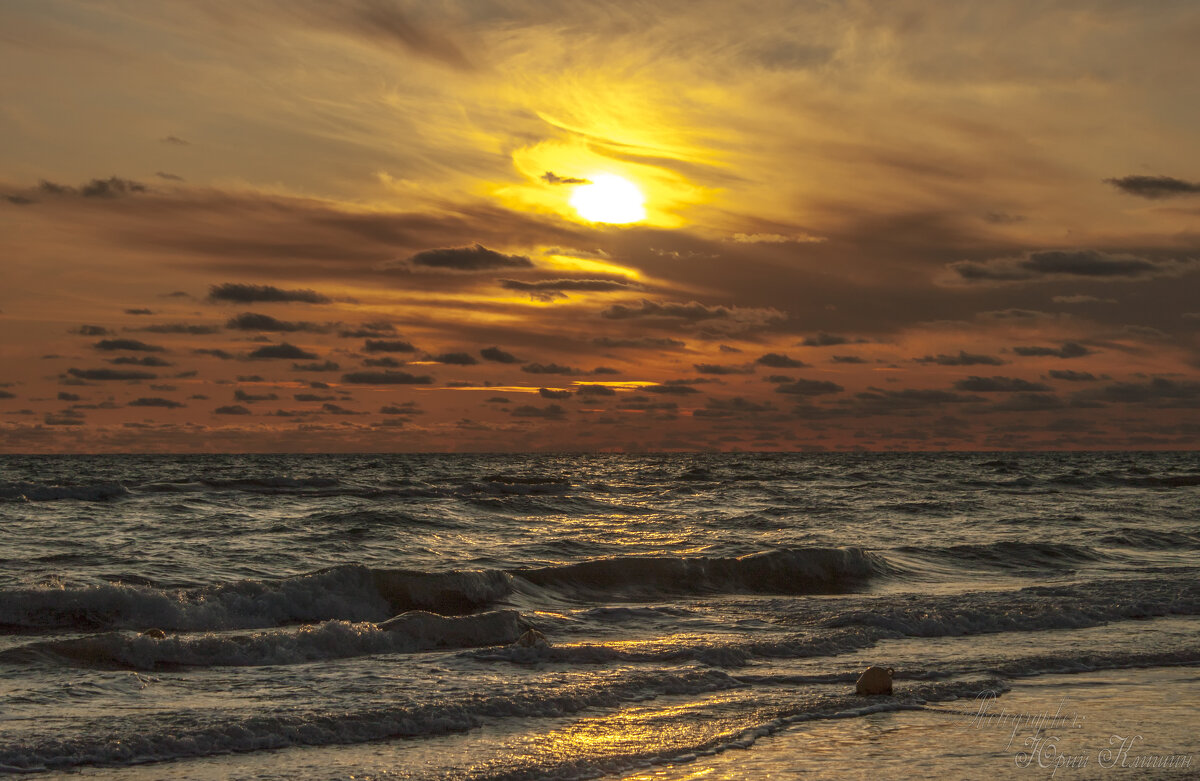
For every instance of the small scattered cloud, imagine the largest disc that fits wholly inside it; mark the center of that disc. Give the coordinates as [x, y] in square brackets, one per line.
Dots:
[713, 368]
[253, 321]
[284, 350]
[112, 187]
[1159, 392]
[385, 362]
[551, 412]
[999, 385]
[963, 358]
[670, 389]
[1066, 264]
[780, 361]
[317, 366]
[640, 342]
[466, 259]
[1069, 375]
[1067, 350]
[330, 408]
[1016, 314]
[169, 176]
[139, 312]
[386, 378]
[232, 409]
[1003, 218]
[1145, 332]
[724, 408]
[142, 360]
[245, 294]
[250, 398]
[407, 408]
[1028, 402]
[497, 355]
[155, 401]
[178, 328]
[214, 352]
[127, 344]
[1081, 299]
[694, 312]
[548, 368]
[823, 339]
[553, 289]
[589, 389]
[876, 401]
[1154, 187]
[804, 387]
[456, 359]
[110, 374]
[369, 330]
[554, 393]
[552, 178]
[776, 238]
[175, 141]
[388, 346]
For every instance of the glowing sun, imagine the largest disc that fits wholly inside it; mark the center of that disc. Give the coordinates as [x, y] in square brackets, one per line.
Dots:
[609, 198]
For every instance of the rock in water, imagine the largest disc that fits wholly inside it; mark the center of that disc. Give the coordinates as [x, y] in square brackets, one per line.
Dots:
[532, 639]
[875, 680]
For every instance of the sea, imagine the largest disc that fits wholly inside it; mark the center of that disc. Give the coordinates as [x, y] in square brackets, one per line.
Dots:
[567, 616]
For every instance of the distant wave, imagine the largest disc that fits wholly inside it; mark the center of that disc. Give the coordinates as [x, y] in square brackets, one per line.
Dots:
[1011, 554]
[1151, 539]
[89, 492]
[1111, 479]
[784, 571]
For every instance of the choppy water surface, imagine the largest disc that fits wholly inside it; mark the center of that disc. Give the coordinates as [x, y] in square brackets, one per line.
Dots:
[357, 615]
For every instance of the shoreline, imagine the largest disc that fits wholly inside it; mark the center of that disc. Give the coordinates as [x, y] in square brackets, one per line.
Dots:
[1151, 711]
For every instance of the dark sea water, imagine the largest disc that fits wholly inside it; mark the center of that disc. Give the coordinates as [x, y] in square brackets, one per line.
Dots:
[355, 616]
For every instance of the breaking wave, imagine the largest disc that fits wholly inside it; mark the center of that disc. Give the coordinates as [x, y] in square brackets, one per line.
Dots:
[357, 593]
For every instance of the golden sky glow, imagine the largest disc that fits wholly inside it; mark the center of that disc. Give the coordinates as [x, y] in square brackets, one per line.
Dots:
[702, 225]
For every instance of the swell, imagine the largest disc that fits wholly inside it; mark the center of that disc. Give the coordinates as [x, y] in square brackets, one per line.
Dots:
[407, 633]
[87, 492]
[346, 593]
[784, 571]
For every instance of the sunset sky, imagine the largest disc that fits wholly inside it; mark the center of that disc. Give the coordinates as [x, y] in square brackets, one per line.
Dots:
[366, 225]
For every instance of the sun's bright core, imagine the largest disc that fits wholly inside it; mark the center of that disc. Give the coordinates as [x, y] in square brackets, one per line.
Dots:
[609, 198]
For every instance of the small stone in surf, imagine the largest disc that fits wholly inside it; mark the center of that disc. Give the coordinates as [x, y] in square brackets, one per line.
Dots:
[875, 680]
[532, 639]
